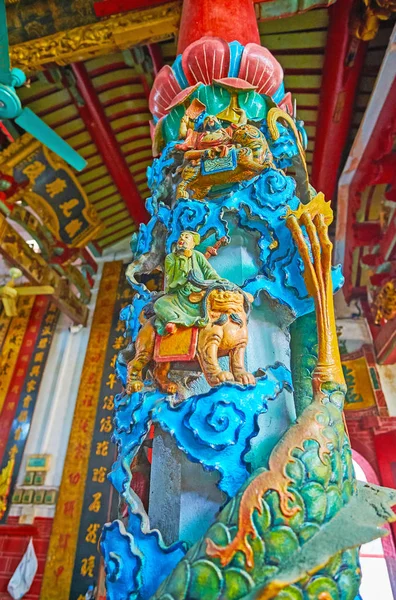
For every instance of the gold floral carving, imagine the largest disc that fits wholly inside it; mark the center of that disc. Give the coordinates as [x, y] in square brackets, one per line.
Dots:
[366, 24]
[16, 152]
[384, 304]
[33, 226]
[111, 35]
[14, 248]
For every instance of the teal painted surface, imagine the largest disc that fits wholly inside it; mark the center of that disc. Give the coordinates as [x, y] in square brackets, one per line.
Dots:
[304, 356]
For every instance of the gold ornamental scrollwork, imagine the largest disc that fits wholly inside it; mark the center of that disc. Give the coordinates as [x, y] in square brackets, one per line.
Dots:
[370, 14]
[111, 35]
[384, 303]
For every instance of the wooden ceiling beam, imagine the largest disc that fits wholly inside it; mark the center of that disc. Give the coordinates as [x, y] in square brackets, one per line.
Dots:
[96, 122]
[117, 33]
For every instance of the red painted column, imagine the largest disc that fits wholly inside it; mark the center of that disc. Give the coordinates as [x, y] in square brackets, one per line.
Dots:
[94, 117]
[156, 57]
[343, 64]
[385, 447]
[231, 20]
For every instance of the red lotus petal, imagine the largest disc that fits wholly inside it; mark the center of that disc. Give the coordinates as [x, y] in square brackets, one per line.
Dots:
[205, 60]
[260, 68]
[165, 88]
[235, 83]
[182, 96]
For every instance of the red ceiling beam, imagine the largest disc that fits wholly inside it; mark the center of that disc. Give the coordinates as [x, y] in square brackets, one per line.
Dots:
[344, 59]
[156, 57]
[94, 117]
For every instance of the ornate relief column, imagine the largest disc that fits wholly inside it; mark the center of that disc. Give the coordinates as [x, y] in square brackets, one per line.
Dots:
[235, 357]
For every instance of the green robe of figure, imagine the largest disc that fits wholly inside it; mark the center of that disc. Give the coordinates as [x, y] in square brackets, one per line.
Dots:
[174, 306]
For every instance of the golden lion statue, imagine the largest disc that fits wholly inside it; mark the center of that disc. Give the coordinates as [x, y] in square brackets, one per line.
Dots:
[225, 334]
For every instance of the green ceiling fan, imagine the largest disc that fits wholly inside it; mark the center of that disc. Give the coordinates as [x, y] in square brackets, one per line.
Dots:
[11, 108]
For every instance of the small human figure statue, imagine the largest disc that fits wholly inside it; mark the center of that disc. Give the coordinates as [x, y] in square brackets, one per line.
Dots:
[218, 155]
[175, 308]
[211, 139]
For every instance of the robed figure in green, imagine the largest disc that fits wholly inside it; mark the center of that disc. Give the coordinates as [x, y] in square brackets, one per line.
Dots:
[174, 307]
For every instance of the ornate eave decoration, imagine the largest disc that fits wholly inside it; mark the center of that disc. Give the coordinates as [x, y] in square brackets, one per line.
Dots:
[58, 207]
[111, 35]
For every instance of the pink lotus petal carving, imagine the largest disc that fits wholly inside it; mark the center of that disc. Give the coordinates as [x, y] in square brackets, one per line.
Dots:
[234, 83]
[205, 60]
[182, 96]
[261, 69]
[165, 88]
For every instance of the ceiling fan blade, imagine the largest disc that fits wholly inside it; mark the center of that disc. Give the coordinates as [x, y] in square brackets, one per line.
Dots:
[35, 290]
[47, 136]
[5, 75]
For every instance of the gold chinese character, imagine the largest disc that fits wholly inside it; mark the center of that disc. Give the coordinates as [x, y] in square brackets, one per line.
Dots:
[92, 533]
[35, 371]
[43, 343]
[87, 566]
[27, 400]
[13, 451]
[95, 505]
[102, 448]
[23, 416]
[67, 207]
[120, 326]
[119, 343]
[39, 357]
[99, 474]
[106, 424]
[113, 361]
[17, 434]
[56, 187]
[111, 380]
[46, 331]
[108, 403]
[34, 170]
[31, 385]
[73, 227]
